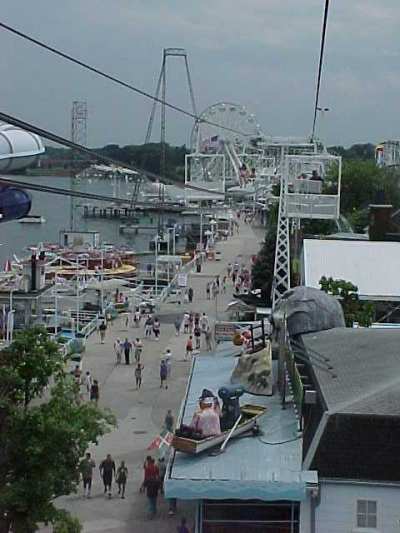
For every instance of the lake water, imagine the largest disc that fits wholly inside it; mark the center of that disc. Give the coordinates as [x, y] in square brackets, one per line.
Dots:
[15, 237]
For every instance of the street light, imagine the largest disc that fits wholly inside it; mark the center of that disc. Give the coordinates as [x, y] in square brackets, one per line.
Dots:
[102, 282]
[156, 265]
[201, 231]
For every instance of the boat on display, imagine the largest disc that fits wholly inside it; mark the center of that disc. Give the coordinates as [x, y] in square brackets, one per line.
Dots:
[32, 219]
[248, 422]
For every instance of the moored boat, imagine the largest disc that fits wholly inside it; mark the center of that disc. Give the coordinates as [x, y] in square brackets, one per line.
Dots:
[249, 413]
[32, 219]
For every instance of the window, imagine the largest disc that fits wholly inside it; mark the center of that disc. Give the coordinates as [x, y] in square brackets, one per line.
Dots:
[366, 513]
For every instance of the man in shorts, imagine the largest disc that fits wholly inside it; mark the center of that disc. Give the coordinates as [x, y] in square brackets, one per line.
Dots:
[86, 469]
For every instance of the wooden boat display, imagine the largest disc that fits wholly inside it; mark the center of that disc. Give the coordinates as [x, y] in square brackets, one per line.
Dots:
[249, 413]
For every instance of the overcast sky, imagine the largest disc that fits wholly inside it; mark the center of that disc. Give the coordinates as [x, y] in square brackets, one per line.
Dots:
[259, 53]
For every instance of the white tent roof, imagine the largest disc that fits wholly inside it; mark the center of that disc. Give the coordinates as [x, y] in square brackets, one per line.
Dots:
[372, 266]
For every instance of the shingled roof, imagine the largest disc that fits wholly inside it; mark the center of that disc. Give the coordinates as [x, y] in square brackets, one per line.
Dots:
[366, 363]
[358, 431]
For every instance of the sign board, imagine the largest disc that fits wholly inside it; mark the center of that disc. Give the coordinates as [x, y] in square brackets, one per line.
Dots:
[182, 279]
[225, 331]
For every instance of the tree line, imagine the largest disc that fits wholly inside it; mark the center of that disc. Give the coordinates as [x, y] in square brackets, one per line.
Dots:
[146, 156]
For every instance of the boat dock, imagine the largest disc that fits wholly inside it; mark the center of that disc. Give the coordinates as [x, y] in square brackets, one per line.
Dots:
[126, 213]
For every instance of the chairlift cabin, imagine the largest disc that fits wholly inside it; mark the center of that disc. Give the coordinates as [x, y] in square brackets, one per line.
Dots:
[312, 186]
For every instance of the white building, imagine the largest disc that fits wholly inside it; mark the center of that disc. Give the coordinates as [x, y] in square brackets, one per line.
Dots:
[373, 266]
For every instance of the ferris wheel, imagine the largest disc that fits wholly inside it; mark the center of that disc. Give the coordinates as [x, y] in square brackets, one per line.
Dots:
[230, 123]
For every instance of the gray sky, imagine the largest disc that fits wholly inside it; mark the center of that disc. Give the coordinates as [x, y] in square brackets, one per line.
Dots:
[260, 53]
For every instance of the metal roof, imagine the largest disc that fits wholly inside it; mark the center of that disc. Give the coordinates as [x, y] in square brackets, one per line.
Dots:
[248, 468]
[372, 266]
[366, 363]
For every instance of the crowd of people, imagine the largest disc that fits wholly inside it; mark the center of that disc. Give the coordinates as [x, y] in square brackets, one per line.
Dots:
[143, 326]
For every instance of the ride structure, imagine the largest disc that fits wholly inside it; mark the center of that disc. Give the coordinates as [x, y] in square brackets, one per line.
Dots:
[310, 189]
[220, 139]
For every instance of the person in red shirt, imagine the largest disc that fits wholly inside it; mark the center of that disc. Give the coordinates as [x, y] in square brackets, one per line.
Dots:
[151, 470]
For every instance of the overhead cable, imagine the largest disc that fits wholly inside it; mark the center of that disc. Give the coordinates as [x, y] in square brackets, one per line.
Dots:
[92, 153]
[78, 194]
[116, 80]
[321, 61]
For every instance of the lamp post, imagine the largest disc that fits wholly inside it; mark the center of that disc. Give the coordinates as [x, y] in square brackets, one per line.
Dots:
[77, 296]
[156, 264]
[174, 240]
[201, 231]
[102, 282]
[55, 306]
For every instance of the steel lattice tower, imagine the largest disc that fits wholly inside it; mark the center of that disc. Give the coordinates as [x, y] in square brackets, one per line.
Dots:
[79, 119]
[162, 87]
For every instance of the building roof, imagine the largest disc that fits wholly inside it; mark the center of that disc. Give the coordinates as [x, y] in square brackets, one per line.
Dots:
[366, 363]
[358, 436]
[249, 468]
[371, 266]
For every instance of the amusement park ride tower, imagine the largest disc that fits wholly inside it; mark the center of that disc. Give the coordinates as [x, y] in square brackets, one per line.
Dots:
[310, 189]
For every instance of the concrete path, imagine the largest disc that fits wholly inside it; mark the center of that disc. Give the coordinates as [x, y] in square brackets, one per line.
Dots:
[140, 414]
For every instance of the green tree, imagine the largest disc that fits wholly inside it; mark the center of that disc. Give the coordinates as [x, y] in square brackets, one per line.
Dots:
[44, 432]
[353, 309]
[263, 269]
[364, 183]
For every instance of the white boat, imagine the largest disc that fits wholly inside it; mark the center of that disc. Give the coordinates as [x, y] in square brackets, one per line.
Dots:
[32, 219]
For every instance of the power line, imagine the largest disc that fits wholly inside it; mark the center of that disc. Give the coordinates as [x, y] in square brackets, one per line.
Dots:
[321, 60]
[123, 83]
[92, 153]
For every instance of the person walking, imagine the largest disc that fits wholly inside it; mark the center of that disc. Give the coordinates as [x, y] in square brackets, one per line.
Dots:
[163, 374]
[107, 470]
[179, 296]
[122, 476]
[156, 328]
[190, 294]
[208, 337]
[169, 421]
[204, 322]
[152, 486]
[136, 317]
[177, 324]
[168, 361]
[86, 467]
[138, 375]
[189, 348]
[127, 346]
[138, 349]
[186, 322]
[102, 330]
[118, 351]
[224, 285]
[229, 270]
[208, 290]
[94, 392]
[197, 335]
[148, 326]
[182, 528]
[88, 382]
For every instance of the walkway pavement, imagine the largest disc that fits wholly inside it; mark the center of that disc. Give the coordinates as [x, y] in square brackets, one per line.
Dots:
[140, 414]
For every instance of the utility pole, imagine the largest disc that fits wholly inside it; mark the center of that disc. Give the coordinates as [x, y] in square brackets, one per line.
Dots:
[79, 118]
